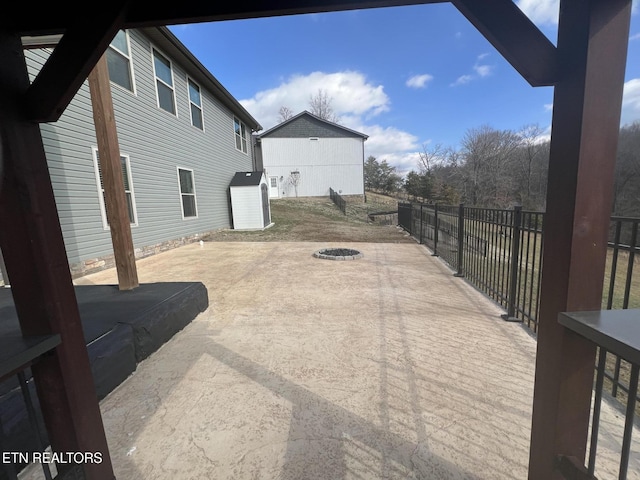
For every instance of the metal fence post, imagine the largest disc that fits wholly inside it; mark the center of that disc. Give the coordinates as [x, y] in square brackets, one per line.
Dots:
[421, 229]
[435, 230]
[510, 316]
[460, 273]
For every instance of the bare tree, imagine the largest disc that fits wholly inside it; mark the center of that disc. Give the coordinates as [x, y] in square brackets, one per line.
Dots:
[430, 157]
[284, 114]
[531, 165]
[487, 155]
[320, 105]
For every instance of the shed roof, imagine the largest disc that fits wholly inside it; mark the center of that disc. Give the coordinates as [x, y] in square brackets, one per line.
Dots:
[245, 179]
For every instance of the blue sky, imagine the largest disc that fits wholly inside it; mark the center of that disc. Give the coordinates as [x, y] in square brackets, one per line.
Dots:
[409, 77]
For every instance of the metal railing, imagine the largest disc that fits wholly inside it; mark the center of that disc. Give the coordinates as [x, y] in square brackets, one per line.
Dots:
[28, 433]
[622, 292]
[22, 430]
[338, 200]
[615, 333]
[500, 252]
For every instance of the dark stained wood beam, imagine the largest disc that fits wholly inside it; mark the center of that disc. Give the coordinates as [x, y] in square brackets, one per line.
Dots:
[79, 49]
[519, 41]
[54, 18]
[592, 50]
[111, 170]
[140, 15]
[33, 248]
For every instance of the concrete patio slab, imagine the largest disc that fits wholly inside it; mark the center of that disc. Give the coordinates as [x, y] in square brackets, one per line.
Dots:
[384, 367]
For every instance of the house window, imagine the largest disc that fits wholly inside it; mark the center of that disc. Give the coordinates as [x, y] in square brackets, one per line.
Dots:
[187, 193]
[125, 166]
[195, 102]
[274, 182]
[241, 135]
[119, 61]
[164, 82]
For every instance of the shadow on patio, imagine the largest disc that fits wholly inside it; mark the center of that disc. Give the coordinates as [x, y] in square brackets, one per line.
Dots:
[301, 368]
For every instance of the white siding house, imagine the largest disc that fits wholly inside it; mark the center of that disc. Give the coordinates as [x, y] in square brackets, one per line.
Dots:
[305, 156]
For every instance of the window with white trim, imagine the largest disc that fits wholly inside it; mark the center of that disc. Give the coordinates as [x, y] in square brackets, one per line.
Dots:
[125, 166]
[119, 61]
[187, 193]
[240, 130]
[164, 82]
[195, 104]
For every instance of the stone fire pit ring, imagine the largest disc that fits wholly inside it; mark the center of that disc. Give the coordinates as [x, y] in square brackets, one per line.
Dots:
[338, 254]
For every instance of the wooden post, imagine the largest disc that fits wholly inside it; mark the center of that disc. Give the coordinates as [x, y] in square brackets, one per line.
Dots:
[592, 49]
[111, 170]
[38, 268]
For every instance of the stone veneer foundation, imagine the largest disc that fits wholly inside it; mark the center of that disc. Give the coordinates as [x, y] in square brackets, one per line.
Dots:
[92, 265]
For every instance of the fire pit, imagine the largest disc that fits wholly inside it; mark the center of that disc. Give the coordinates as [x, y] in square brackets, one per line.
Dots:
[338, 254]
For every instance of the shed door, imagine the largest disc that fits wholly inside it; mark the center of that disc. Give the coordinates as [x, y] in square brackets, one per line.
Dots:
[266, 214]
[273, 187]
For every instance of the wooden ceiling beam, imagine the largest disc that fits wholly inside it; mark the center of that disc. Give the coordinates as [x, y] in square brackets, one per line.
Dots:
[54, 18]
[70, 63]
[519, 41]
[173, 12]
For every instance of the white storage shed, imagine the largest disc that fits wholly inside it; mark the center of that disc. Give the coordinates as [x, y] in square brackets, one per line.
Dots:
[250, 201]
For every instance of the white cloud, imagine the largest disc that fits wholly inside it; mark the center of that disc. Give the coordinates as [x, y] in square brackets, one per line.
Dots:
[397, 147]
[631, 101]
[634, 37]
[419, 81]
[349, 91]
[404, 162]
[354, 99]
[481, 70]
[462, 80]
[546, 12]
[543, 12]
[548, 107]
[387, 140]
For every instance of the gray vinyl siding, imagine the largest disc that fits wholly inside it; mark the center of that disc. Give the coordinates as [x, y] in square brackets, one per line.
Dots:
[156, 142]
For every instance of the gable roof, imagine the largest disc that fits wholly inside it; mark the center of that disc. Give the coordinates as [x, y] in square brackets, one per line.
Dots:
[315, 127]
[245, 179]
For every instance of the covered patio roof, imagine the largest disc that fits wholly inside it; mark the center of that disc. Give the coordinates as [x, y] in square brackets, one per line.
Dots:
[587, 72]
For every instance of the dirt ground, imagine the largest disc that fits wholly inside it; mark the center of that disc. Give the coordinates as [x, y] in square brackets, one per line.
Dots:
[317, 219]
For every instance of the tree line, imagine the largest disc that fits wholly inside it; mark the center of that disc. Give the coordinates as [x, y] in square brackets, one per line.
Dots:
[499, 169]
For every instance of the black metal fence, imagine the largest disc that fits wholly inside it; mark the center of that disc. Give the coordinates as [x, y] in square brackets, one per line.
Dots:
[338, 200]
[500, 252]
[619, 328]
